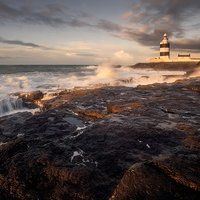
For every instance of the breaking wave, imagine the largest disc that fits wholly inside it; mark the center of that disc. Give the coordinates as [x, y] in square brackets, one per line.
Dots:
[51, 79]
[9, 105]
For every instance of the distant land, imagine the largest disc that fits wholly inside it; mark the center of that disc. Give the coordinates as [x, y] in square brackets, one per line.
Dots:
[183, 66]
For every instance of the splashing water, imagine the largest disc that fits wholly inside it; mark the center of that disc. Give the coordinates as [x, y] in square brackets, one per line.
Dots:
[106, 71]
[51, 79]
[9, 104]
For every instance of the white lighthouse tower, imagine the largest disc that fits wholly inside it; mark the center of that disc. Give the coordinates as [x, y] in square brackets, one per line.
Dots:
[165, 48]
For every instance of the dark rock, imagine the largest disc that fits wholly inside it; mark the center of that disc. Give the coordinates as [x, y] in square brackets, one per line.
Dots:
[129, 143]
[31, 96]
[118, 107]
[195, 87]
[10, 125]
[183, 66]
[176, 177]
[31, 99]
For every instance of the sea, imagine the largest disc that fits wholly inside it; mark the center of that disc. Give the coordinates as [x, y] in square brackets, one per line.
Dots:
[51, 79]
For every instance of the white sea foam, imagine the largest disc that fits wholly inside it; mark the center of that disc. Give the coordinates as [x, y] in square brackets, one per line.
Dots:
[33, 111]
[9, 105]
[82, 159]
[60, 78]
[75, 154]
[148, 146]
[49, 81]
[3, 143]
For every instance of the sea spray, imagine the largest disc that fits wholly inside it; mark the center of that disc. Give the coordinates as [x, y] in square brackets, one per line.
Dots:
[56, 78]
[52, 79]
[106, 71]
[9, 104]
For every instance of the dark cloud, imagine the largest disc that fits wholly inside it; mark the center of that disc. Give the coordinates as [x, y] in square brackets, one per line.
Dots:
[50, 14]
[168, 14]
[18, 42]
[5, 57]
[148, 20]
[81, 54]
[144, 38]
[186, 44]
[85, 54]
[54, 15]
[7, 11]
[108, 25]
[77, 23]
[155, 17]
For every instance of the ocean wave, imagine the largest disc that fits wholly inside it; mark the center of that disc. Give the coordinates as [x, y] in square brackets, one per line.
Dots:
[79, 77]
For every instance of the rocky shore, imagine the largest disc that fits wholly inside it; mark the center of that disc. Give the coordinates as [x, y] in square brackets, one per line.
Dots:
[173, 66]
[111, 143]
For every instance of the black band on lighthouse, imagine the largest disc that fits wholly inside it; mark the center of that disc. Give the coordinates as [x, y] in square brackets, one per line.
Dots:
[164, 53]
[165, 45]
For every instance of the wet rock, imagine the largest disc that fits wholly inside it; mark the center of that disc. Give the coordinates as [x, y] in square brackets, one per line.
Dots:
[195, 87]
[91, 114]
[39, 177]
[31, 96]
[31, 99]
[118, 107]
[10, 125]
[183, 66]
[107, 143]
[175, 177]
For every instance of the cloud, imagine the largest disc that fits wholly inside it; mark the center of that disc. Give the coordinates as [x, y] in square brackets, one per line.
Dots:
[168, 14]
[147, 20]
[54, 15]
[187, 44]
[7, 11]
[122, 57]
[21, 43]
[108, 25]
[18, 42]
[51, 14]
[154, 17]
[5, 57]
[81, 54]
[85, 54]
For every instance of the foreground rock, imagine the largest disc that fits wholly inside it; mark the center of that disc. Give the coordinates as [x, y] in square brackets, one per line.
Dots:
[175, 177]
[31, 99]
[111, 143]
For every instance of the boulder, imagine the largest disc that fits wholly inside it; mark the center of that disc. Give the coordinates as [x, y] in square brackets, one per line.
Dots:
[31, 96]
[31, 99]
[175, 177]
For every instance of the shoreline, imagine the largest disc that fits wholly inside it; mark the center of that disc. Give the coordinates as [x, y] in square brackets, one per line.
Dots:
[183, 66]
[104, 76]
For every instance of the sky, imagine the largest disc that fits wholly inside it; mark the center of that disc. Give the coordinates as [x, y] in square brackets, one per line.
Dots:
[93, 32]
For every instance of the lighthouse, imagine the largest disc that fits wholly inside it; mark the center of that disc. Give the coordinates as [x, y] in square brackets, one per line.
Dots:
[164, 48]
[165, 54]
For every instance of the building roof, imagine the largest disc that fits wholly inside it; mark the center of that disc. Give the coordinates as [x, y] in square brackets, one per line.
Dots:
[183, 55]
